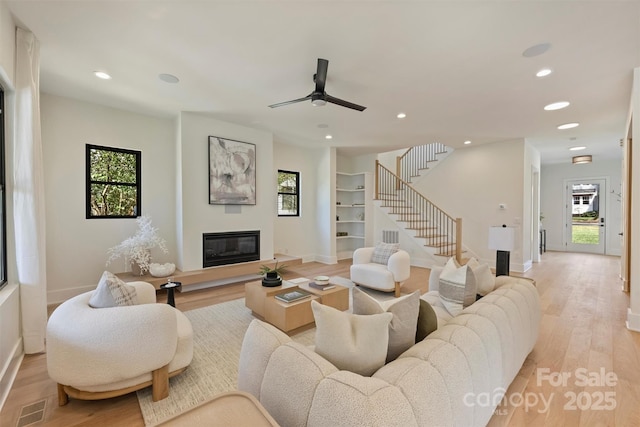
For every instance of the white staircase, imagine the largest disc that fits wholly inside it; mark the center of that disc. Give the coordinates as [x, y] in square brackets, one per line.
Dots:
[439, 234]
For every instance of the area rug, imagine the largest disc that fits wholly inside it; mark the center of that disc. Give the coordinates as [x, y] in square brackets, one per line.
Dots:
[218, 332]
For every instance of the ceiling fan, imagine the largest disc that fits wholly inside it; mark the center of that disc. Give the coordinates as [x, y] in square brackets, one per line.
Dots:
[319, 97]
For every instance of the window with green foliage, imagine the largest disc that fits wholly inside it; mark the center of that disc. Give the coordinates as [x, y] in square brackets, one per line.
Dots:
[288, 193]
[113, 182]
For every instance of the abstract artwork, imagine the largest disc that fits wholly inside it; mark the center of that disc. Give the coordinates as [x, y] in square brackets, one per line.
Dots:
[232, 172]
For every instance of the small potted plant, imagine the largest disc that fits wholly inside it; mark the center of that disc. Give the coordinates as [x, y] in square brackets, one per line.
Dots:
[272, 274]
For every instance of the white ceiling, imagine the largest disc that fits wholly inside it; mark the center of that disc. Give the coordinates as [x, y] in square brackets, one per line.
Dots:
[456, 68]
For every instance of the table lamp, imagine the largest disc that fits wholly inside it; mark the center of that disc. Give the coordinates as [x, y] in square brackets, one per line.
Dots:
[502, 239]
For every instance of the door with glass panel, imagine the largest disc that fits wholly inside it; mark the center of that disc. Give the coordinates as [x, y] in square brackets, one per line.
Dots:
[586, 215]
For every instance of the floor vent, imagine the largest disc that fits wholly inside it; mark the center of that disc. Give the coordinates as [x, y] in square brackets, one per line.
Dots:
[390, 236]
[31, 414]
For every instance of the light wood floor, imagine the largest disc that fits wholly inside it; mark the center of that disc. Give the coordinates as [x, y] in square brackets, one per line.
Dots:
[583, 326]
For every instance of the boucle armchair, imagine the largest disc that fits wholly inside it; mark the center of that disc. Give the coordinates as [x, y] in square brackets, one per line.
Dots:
[382, 277]
[98, 353]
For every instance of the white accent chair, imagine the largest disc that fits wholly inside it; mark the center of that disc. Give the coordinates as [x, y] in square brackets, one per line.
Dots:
[386, 278]
[99, 353]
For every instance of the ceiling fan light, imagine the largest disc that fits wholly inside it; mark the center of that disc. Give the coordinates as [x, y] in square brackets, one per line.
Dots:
[318, 102]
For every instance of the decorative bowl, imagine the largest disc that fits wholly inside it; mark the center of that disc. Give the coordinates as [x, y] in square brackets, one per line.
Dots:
[161, 270]
[321, 280]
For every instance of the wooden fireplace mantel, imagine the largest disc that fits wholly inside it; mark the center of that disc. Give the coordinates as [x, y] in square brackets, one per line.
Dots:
[210, 274]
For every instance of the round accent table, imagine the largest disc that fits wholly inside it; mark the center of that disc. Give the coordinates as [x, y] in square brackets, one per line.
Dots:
[171, 287]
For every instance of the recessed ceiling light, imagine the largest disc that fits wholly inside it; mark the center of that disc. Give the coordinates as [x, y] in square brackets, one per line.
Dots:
[577, 148]
[544, 72]
[102, 75]
[556, 106]
[328, 137]
[467, 142]
[168, 78]
[536, 50]
[568, 126]
[401, 115]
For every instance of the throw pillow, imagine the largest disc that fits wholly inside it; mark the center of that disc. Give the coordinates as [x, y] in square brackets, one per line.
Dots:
[383, 251]
[427, 321]
[351, 342]
[484, 279]
[402, 329]
[457, 287]
[112, 292]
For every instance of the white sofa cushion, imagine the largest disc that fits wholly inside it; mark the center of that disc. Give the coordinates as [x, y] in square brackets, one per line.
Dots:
[352, 342]
[485, 281]
[402, 329]
[457, 287]
[112, 292]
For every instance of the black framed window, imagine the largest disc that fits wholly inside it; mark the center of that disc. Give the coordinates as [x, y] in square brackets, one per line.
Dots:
[3, 199]
[113, 182]
[288, 193]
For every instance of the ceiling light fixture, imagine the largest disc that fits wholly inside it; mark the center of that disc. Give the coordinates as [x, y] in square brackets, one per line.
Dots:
[328, 136]
[556, 106]
[401, 115]
[568, 126]
[467, 142]
[102, 75]
[578, 160]
[544, 72]
[577, 148]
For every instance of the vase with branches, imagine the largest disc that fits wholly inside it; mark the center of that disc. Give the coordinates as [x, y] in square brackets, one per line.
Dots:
[137, 248]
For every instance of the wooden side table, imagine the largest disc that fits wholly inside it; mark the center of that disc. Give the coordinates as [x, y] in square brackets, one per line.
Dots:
[235, 408]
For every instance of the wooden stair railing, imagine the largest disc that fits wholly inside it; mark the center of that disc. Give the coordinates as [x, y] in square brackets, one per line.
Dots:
[439, 229]
[417, 158]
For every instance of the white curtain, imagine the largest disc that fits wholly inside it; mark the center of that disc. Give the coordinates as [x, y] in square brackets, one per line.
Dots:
[28, 194]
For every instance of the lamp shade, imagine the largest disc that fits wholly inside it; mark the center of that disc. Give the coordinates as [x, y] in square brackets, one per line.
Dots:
[502, 238]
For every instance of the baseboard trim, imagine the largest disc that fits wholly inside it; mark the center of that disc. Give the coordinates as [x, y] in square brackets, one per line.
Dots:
[8, 376]
[55, 297]
[326, 259]
[633, 321]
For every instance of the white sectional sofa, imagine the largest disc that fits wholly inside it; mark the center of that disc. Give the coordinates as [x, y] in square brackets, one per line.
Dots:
[434, 383]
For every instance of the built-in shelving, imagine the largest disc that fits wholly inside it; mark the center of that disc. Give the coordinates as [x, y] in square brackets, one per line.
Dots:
[353, 207]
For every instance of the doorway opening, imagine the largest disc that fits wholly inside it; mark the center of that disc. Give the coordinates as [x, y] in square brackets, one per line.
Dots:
[586, 226]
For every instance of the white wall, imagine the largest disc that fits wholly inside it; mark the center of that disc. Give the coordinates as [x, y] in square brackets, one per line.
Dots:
[76, 246]
[470, 184]
[552, 200]
[11, 350]
[633, 314]
[198, 216]
[298, 235]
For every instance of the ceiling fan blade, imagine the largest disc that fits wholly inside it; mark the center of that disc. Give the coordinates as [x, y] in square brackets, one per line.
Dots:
[293, 101]
[344, 103]
[321, 74]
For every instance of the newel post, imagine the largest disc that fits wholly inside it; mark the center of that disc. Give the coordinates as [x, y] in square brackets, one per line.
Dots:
[459, 240]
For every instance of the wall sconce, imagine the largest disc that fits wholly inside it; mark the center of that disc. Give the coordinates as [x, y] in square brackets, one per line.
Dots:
[577, 160]
[502, 239]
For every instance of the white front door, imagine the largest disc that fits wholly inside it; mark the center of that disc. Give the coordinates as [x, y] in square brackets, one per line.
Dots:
[586, 215]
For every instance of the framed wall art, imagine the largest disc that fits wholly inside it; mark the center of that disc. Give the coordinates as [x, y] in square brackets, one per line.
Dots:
[232, 172]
